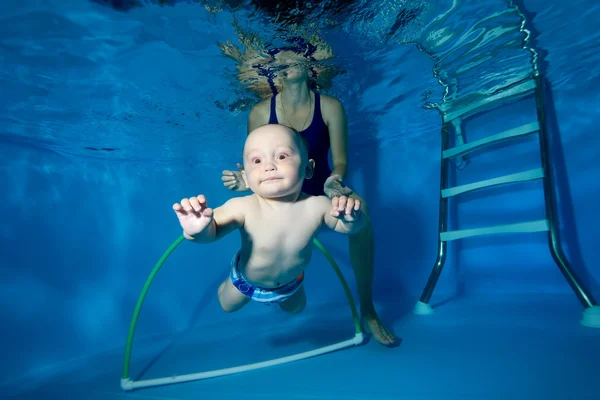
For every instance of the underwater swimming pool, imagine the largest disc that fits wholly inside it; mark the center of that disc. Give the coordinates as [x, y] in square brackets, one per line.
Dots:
[111, 111]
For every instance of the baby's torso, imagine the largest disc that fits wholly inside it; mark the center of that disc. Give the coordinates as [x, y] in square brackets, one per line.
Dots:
[277, 245]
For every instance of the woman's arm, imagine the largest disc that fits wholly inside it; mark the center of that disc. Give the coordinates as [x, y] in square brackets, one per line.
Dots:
[335, 117]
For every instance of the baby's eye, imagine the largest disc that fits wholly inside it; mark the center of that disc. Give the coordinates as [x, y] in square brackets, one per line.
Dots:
[282, 156]
[256, 161]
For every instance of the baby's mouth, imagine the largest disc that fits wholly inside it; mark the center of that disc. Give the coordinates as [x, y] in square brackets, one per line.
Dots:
[271, 179]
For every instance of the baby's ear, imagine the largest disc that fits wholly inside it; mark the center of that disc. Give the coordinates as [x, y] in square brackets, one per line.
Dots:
[310, 169]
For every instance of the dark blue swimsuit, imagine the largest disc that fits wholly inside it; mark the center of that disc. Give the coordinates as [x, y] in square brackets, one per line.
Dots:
[317, 136]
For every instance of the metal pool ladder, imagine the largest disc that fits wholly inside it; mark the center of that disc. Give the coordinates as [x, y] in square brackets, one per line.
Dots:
[452, 118]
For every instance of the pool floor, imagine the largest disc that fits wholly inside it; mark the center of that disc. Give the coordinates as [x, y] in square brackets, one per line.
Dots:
[503, 347]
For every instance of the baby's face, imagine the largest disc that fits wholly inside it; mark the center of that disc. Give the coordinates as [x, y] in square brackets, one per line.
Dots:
[274, 163]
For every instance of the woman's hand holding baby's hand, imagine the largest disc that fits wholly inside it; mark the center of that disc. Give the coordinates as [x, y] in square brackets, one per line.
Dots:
[346, 208]
[194, 216]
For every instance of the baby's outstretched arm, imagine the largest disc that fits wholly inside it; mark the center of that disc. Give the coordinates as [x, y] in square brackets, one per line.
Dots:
[344, 215]
[204, 225]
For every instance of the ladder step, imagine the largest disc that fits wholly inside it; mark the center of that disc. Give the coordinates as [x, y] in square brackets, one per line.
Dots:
[520, 131]
[478, 103]
[522, 227]
[532, 174]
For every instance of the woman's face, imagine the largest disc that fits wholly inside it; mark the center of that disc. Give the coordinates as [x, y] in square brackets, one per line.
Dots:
[295, 67]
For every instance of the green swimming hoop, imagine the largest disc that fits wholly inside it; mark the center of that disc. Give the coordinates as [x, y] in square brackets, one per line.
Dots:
[128, 384]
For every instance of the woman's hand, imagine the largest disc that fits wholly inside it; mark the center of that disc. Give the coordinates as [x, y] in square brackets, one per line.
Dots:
[235, 180]
[334, 187]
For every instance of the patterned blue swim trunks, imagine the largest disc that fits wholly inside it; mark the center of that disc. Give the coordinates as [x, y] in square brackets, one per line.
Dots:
[262, 295]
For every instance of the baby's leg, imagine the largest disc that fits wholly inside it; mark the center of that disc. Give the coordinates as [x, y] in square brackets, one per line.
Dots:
[230, 298]
[295, 303]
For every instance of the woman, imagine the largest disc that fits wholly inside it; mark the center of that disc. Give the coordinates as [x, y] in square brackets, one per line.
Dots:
[322, 120]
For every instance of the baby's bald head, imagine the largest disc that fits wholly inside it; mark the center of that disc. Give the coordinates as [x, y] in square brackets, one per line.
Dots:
[276, 133]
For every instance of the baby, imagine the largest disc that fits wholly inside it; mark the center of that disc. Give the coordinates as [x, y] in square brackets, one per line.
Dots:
[277, 222]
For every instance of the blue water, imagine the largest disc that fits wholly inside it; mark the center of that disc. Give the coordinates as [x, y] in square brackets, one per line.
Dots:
[109, 116]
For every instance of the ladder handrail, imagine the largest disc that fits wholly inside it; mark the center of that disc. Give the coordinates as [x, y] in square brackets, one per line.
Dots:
[549, 224]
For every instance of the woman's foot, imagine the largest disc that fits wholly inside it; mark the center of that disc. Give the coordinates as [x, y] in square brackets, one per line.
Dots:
[373, 325]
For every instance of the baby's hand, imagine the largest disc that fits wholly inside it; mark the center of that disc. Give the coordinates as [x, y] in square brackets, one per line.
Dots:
[345, 208]
[193, 215]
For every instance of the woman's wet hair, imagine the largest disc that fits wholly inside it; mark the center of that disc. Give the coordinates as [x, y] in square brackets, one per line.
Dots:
[258, 66]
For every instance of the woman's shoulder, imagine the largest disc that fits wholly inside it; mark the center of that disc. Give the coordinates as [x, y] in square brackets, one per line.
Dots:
[262, 108]
[331, 106]
[330, 101]
[264, 103]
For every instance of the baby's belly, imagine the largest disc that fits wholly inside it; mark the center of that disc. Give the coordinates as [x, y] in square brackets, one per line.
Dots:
[272, 267]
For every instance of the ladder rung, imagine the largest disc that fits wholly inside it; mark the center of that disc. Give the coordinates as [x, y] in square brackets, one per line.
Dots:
[522, 227]
[518, 177]
[454, 110]
[522, 130]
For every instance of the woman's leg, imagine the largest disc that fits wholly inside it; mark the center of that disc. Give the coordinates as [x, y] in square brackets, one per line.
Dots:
[362, 258]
